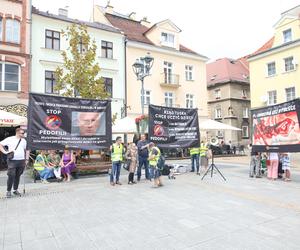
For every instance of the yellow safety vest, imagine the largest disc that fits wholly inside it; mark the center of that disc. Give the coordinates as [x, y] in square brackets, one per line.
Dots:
[117, 153]
[154, 161]
[203, 149]
[194, 151]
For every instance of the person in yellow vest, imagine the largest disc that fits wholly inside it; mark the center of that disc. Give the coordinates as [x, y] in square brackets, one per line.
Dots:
[154, 155]
[203, 155]
[117, 152]
[194, 153]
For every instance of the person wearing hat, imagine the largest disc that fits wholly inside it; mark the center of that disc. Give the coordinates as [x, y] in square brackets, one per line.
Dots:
[117, 152]
[154, 155]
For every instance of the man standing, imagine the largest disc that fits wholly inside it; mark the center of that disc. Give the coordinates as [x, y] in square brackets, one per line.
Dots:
[154, 155]
[143, 157]
[194, 153]
[16, 165]
[203, 156]
[254, 164]
[117, 152]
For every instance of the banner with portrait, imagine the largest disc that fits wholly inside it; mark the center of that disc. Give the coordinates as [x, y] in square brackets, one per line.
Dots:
[276, 128]
[173, 127]
[55, 122]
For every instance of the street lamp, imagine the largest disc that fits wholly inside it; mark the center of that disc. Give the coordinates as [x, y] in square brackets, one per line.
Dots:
[141, 69]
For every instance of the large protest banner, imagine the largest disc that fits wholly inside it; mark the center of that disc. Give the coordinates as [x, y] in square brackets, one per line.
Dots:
[54, 122]
[276, 128]
[173, 127]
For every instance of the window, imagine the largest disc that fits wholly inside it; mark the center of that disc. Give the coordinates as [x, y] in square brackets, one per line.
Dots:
[147, 97]
[287, 35]
[188, 73]
[82, 48]
[50, 82]
[288, 63]
[167, 39]
[245, 112]
[189, 101]
[272, 97]
[244, 93]
[108, 85]
[52, 40]
[1, 28]
[245, 131]
[217, 93]
[168, 68]
[271, 69]
[218, 113]
[12, 33]
[219, 134]
[9, 76]
[107, 49]
[169, 99]
[290, 93]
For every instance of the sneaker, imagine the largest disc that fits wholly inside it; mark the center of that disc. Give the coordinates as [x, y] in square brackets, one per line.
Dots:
[192, 171]
[8, 194]
[17, 193]
[119, 183]
[257, 176]
[251, 176]
[112, 183]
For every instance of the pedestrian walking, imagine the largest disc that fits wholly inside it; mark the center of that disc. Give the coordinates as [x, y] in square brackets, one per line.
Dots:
[255, 164]
[16, 160]
[194, 154]
[154, 155]
[117, 152]
[273, 166]
[132, 154]
[143, 155]
[286, 165]
[203, 156]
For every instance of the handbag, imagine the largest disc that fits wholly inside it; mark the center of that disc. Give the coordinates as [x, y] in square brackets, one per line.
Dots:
[11, 155]
[126, 164]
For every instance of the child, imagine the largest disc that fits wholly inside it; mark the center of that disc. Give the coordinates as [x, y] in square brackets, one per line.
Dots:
[286, 166]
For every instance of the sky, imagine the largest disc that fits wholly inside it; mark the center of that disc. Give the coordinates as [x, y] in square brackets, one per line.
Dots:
[214, 28]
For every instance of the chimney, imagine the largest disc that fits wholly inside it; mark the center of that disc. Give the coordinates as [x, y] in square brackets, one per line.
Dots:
[63, 12]
[132, 16]
[145, 22]
[109, 8]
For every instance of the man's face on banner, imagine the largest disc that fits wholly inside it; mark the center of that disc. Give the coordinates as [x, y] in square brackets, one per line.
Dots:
[88, 123]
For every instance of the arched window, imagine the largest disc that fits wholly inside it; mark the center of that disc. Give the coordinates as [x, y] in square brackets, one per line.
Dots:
[12, 33]
[9, 76]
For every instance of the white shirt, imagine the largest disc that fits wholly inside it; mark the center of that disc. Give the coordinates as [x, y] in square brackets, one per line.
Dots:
[273, 156]
[12, 143]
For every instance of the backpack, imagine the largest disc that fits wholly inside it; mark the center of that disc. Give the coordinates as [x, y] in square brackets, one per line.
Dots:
[161, 162]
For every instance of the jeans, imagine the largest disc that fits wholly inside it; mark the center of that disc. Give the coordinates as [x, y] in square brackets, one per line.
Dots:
[46, 173]
[14, 171]
[151, 171]
[143, 161]
[115, 171]
[195, 160]
[255, 166]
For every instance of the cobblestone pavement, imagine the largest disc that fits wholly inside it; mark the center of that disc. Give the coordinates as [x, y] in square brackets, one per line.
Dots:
[186, 213]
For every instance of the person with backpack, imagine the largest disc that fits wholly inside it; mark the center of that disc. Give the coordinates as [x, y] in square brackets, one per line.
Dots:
[154, 158]
[117, 152]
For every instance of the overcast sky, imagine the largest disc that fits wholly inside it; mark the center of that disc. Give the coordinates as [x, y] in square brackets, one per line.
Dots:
[214, 28]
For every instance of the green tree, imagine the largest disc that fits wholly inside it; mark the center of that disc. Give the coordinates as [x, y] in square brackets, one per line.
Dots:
[79, 75]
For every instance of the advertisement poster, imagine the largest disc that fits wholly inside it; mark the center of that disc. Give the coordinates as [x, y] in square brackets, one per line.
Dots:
[55, 122]
[173, 127]
[276, 128]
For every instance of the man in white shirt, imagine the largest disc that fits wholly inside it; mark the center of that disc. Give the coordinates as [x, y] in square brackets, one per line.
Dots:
[16, 165]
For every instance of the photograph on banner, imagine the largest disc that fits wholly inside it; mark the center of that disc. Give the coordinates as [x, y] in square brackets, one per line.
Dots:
[276, 128]
[173, 127]
[55, 122]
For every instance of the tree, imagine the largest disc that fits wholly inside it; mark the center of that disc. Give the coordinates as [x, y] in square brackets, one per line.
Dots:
[79, 75]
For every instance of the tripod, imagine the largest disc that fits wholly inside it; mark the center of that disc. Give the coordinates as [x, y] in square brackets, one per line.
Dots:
[211, 168]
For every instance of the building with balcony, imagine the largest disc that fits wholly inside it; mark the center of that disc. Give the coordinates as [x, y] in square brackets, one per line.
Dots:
[274, 68]
[178, 75]
[48, 44]
[229, 97]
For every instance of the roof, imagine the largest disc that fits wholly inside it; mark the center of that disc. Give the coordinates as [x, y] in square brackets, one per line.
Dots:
[268, 45]
[95, 25]
[135, 31]
[227, 70]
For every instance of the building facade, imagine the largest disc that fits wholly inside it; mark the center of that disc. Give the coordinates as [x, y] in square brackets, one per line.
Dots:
[178, 75]
[229, 98]
[274, 68]
[48, 44]
[14, 55]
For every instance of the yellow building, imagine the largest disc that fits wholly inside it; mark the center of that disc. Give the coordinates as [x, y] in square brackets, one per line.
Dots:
[274, 68]
[178, 75]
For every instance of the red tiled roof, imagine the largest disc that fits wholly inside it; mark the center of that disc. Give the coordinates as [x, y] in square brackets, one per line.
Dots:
[227, 70]
[135, 31]
[268, 45]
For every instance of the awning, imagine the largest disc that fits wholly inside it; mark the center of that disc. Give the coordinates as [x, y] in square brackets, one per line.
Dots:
[8, 119]
[214, 125]
[125, 125]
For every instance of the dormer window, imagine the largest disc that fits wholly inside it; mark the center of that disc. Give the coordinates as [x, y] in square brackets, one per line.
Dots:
[287, 35]
[167, 39]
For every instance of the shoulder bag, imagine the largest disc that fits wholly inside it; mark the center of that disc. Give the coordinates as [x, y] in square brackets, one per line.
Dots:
[11, 155]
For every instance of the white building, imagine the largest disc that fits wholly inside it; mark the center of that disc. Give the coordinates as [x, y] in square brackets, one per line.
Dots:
[48, 44]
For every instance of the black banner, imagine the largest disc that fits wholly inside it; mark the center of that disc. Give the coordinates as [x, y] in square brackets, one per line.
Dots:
[173, 127]
[276, 128]
[54, 122]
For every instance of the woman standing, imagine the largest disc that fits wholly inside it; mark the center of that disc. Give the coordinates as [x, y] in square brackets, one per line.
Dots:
[67, 164]
[273, 166]
[131, 154]
[54, 162]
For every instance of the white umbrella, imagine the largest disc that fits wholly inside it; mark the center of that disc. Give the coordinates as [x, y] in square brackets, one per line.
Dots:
[214, 125]
[9, 119]
[125, 125]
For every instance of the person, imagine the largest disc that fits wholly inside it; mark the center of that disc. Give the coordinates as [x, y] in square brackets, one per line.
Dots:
[286, 165]
[16, 165]
[255, 164]
[273, 166]
[42, 166]
[154, 155]
[117, 152]
[54, 162]
[203, 156]
[143, 157]
[132, 154]
[67, 164]
[89, 124]
[194, 153]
